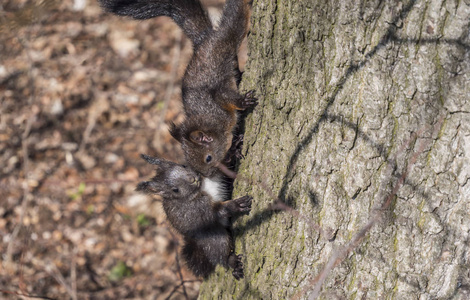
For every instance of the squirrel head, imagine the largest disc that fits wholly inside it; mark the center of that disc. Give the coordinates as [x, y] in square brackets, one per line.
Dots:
[203, 150]
[172, 180]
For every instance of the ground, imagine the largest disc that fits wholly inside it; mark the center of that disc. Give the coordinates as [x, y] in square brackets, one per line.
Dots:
[83, 93]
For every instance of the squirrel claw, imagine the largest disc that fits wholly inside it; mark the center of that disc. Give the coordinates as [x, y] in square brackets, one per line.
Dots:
[238, 269]
[238, 274]
[235, 150]
[238, 144]
[244, 203]
[239, 154]
[250, 100]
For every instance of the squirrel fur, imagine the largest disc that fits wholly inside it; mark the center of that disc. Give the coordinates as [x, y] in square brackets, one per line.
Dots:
[209, 89]
[203, 222]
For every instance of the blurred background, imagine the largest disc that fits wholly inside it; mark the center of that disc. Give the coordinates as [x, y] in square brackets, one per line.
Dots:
[82, 94]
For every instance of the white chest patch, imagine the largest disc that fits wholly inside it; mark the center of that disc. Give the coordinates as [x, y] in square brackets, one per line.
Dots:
[213, 188]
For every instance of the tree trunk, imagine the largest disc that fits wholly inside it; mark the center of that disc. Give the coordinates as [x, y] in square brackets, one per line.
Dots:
[363, 130]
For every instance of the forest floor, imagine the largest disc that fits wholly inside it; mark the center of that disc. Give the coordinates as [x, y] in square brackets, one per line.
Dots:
[82, 95]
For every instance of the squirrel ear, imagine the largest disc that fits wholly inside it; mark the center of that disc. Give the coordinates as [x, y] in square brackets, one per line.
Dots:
[175, 131]
[149, 187]
[151, 160]
[199, 137]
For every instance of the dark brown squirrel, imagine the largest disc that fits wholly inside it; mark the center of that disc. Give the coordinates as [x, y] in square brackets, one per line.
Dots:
[203, 222]
[210, 94]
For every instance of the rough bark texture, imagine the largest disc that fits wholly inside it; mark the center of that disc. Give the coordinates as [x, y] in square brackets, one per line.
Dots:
[350, 92]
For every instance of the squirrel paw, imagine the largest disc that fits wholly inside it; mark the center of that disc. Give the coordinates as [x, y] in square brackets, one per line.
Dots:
[250, 100]
[235, 150]
[243, 204]
[238, 268]
[238, 144]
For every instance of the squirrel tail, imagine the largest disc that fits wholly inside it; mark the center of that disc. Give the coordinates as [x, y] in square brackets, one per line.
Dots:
[196, 259]
[234, 22]
[188, 14]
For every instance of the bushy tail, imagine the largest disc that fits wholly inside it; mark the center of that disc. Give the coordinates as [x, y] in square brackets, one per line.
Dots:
[195, 258]
[234, 22]
[188, 14]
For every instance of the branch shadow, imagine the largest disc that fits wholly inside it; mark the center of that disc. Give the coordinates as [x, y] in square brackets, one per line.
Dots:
[390, 36]
[266, 214]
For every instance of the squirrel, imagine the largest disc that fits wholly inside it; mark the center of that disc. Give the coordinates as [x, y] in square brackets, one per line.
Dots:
[202, 221]
[210, 83]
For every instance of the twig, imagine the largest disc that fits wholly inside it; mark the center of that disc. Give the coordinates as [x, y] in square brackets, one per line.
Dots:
[179, 285]
[52, 270]
[24, 147]
[277, 204]
[21, 282]
[25, 295]
[339, 255]
[89, 128]
[48, 182]
[99, 106]
[178, 266]
[73, 274]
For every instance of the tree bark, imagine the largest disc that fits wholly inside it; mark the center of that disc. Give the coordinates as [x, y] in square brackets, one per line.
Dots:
[363, 120]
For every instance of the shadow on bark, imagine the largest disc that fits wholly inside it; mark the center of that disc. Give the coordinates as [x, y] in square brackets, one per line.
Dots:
[396, 173]
[283, 196]
[266, 214]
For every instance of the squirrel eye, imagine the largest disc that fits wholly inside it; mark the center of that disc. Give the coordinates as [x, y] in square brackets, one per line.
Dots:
[208, 159]
[176, 190]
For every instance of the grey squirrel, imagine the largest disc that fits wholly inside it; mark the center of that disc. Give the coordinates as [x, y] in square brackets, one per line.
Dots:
[194, 213]
[210, 94]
